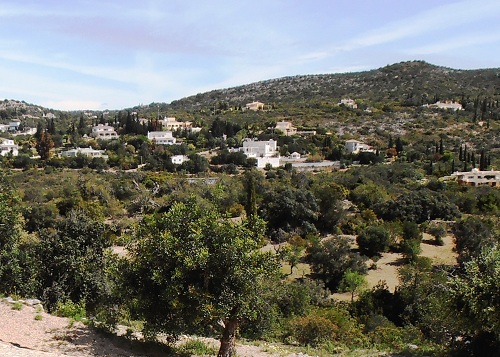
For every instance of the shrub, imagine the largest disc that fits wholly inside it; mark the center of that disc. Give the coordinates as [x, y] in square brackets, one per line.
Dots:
[373, 240]
[75, 311]
[196, 347]
[438, 231]
[313, 330]
[326, 325]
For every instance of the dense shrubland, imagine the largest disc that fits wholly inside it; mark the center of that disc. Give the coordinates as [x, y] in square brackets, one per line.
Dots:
[55, 240]
[198, 236]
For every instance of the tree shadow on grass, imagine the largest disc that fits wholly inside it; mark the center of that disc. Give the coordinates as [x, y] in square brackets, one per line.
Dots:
[398, 262]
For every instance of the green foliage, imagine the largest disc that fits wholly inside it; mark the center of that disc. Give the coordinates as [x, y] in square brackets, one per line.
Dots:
[420, 206]
[17, 273]
[190, 267]
[18, 305]
[471, 235]
[331, 258]
[196, 347]
[373, 240]
[476, 293]
[353, 282]
[325, 325]
[412, 238]
[68, 308]
[287, 208]
[72, 261]
[438, 231]
[313, 330]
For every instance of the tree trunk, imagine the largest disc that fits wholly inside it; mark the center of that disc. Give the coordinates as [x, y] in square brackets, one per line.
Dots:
[228, 340]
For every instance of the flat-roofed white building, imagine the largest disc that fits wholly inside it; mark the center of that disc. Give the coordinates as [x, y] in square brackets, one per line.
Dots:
[348, 103]
[255, 148]
[266, 152]
[104, 132]
[354, 147]
[286, 127]
[254, 106]
[89, 152]
[171, 124]
[162, 137]
[179, 159]
[8, 146]
[445, 105]
[476, 177]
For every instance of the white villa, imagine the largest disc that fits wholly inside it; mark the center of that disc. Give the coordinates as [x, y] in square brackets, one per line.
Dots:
[350, 103]
[7, 146]
[162, 137]
[286, 127]
[254, 106]
[266, 152]
[179, 159]
[89, 152]
[354, 147]
[14, 125]
[104, 132]
[171, 124]
[478, 178]
[445, 105]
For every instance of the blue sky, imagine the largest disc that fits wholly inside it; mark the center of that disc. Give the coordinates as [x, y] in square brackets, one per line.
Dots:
[104, 54]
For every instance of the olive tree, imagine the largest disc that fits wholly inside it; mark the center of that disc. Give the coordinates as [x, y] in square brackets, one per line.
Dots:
[190, 269]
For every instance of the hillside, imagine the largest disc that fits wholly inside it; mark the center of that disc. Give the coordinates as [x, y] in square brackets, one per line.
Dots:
[411, 82]
[397, 82]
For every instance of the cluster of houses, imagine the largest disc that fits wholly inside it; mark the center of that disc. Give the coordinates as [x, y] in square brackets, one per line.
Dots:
[476, 177]
[266, 153]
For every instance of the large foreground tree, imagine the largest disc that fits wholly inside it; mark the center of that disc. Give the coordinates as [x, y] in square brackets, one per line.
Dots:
[192, 270]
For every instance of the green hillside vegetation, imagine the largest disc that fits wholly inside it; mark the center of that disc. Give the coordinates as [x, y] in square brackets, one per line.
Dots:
[194, 239]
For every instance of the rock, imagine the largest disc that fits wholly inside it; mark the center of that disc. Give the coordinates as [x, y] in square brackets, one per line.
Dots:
[32, 302]
[412, 347]
[9, 300]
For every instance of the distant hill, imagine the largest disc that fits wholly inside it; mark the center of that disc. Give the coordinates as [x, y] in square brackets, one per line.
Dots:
[416, 80]
[413, 82]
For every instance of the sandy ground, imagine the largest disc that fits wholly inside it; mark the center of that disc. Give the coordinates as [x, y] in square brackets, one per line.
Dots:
[23, 336]
[389, 263]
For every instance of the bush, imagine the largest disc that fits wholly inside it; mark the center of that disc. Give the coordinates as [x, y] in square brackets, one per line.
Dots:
[196, 347]
[438, 231]
[326, 325]
[313, 330]
[373, 240]
[75, 311]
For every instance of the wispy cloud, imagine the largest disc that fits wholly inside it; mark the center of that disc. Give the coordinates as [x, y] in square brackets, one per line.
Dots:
[456, 42]
[432, 20]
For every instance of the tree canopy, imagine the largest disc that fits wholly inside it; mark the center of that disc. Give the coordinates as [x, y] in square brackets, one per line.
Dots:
[192, 269]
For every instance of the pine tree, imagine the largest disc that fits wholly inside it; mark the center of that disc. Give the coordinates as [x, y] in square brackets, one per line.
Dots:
[44, 145]
[81, 125]
[482, 161]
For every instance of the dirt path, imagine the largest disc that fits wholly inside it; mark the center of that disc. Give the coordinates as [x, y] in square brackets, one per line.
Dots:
[23, 335]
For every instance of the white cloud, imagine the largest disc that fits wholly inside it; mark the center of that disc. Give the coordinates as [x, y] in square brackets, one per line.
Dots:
[454, 43]
[435, 19]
